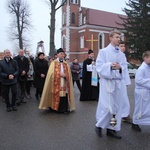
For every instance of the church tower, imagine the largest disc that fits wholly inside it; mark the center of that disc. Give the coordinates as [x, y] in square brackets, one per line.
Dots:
[85, 28]
[70, 24]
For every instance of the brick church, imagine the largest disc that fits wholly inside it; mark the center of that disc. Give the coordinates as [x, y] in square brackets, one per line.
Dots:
[86, 28]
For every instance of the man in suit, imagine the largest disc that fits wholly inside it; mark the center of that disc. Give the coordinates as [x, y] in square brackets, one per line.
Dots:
[23, 65]
[9, 72]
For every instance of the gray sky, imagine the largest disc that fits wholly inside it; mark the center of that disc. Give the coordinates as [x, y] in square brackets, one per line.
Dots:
[40, 20]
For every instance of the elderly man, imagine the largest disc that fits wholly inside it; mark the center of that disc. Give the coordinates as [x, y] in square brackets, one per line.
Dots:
[23, 65]
[58, 91]
[9, 72]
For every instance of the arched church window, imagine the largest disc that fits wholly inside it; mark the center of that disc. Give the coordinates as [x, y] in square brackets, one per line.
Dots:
[74, 1]
[64, 42]
[80, 23]
[73, 18]
[84, 20]
[101, 40]
[81, 41]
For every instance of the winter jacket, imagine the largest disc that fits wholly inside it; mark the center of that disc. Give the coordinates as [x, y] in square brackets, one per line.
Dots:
[7, 68]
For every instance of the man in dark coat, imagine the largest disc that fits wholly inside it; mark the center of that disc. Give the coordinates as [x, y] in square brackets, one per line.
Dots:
[9, 72]
[23, 65]
[40, 70]
[88, 92]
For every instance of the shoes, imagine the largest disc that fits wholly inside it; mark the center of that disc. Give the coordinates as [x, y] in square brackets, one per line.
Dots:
[30, 96]
[113, 133]
[27, 96]
[98, 131]
[14, 108]
[18, 103]
[3, 100]
[127, 119]
[51, 110]
[9, 109]
[23, 101]
[136, 127]
[67, 112]
[37, 97]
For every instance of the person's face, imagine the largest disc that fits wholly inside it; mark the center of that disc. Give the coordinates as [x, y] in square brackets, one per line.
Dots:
[91, 55]
[1, 55]
[55, 57]
[76, 61]
[147, 60]
[60, 55]
[7, 53]
[21, 52]
[28, 53]
[115, 39]
[41, 56]
[122, 47]
[51, 60]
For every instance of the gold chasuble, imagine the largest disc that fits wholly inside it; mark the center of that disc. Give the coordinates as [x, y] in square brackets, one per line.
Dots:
[55, 87]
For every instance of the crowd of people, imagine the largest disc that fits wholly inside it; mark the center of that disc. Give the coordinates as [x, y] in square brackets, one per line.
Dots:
[104, 79]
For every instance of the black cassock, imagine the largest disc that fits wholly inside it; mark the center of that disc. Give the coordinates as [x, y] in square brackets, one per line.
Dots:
[88, 92]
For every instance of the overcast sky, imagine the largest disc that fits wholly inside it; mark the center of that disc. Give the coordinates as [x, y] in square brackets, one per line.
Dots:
[40, 20]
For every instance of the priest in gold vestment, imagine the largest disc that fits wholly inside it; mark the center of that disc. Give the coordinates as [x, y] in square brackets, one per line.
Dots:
[58, 93]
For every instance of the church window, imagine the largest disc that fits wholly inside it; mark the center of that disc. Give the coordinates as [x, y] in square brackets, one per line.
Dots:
[81, 41]
[74, 1]
[84, 20]
[64, 42]
[80, 23]
[64, 1]
[73, 18]
[101, 40]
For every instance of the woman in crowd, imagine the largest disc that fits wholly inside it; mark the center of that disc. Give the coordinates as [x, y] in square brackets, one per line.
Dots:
[75, 69]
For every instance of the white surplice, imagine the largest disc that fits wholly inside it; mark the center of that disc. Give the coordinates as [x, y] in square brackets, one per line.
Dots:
[112, 87]
[141, 114]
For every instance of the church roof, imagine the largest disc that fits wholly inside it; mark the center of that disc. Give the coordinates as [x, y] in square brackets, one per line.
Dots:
[103, 18]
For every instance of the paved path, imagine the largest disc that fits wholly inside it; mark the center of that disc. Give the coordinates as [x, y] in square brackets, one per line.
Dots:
[33, 129]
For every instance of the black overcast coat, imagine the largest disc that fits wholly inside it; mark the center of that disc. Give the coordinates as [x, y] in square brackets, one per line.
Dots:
[23, 65]
[7, 68]
[40, 67]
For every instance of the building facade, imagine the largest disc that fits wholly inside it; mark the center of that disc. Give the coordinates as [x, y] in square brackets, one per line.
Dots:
[86, 28]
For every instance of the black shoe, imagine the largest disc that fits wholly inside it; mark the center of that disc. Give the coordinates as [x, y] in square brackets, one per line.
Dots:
[23, 101]
[136, 127]
[37, 97]
[113, 134]
[18, 103]
[127, 119]
[98, 131]
[9, 109]
[14, 108]
[67, 112]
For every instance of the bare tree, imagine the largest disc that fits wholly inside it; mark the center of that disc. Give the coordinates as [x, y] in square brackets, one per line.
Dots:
[54, 5]
[20, 23]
